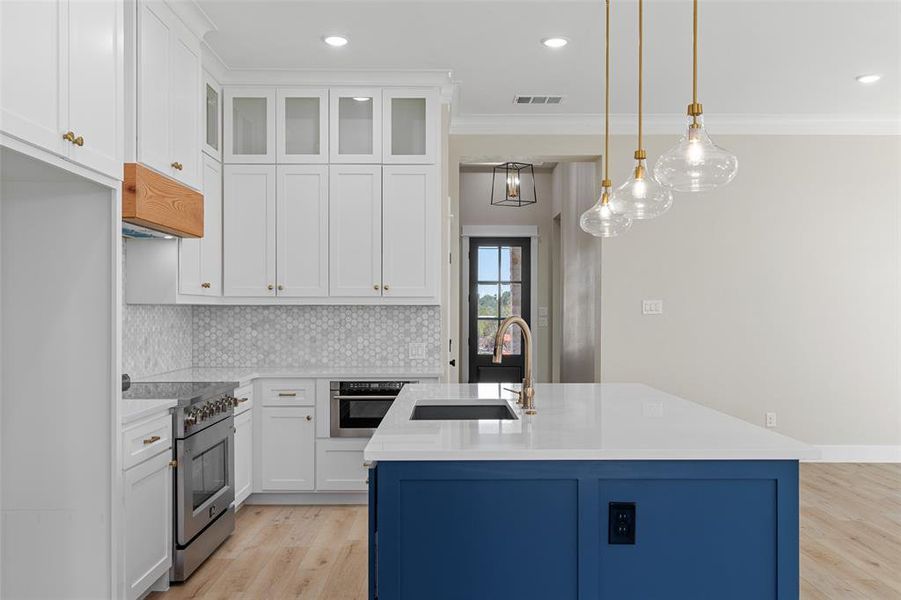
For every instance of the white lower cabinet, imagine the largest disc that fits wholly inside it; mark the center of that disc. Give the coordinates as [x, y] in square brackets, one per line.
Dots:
[287, 449]
[339, 465]
[243, 456]
[148, 523]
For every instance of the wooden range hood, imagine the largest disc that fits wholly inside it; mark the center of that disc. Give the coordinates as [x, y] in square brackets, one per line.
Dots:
[157, 202]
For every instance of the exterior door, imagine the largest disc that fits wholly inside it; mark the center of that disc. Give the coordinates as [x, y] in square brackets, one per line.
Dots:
[499, 287]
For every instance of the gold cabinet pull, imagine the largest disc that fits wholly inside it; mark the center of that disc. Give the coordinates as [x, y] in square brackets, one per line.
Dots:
[270, 287]
[177, 166]
[386, 287]
[376, 287]
[152, 439]
[173, 463]
[79, 141]
[287, 394]
[69, 136]
[309, 418]
[205, 285]
[280, 287]
[243, 400]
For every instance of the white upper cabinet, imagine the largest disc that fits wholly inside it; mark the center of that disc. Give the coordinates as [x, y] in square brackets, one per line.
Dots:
[61, 74]
[200, 260]
[355, 125]
[411, 124]
[212, 116]
[302, 125]
[249, 125]
[302, 237]
[169, 95]
[411, 234]
[249, 230]
[355, 230]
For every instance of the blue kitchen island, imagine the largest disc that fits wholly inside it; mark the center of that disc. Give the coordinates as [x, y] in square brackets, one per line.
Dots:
[615, 491]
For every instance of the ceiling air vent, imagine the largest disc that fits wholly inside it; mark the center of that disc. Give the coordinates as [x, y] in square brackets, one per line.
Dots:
[545, 99]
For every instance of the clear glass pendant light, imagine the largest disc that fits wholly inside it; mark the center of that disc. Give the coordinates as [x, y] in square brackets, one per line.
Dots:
[695, 164]
[641, 196]
[601, 220]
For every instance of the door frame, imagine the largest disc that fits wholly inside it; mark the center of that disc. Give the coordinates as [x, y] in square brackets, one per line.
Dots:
[496, 231]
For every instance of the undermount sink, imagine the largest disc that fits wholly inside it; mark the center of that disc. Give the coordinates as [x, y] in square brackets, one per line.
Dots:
[461, 412]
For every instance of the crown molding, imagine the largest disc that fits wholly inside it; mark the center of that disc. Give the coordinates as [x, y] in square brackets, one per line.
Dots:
[347, 77]
[192, 16]
[738, 124]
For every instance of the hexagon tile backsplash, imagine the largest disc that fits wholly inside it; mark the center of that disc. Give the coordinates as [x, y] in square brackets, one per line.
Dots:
[157, 339]
[315, 336]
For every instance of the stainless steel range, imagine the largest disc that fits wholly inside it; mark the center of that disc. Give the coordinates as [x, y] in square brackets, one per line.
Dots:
[204, 451]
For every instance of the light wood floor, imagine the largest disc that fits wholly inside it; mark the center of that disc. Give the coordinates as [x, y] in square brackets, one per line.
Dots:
[850, 544]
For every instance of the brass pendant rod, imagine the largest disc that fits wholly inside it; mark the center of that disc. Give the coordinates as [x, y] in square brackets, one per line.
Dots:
[607, 94]
[640, 65]
[694, 71]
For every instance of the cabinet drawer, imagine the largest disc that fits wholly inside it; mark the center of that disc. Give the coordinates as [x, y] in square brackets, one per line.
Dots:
[145, 439]
[245, 399]
[288, 392]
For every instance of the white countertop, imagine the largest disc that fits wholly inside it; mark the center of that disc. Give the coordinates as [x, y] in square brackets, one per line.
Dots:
[134, 410]
[244, 375]
[610, 421]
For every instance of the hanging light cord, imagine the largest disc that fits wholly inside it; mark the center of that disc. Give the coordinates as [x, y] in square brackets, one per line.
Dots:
[695, 109]
[640, 65]
[606, 183]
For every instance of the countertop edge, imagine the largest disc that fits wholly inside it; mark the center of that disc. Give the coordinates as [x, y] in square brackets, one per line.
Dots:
[138, 409]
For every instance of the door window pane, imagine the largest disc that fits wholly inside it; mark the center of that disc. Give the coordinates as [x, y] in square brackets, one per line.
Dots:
[513, 340]
[511, 299]
[511, 263]
[488, 301]
[408, 126]
[249, 120]
[488, 263]
[302, 125]
[208, 473]
[355, 125]
[212, 117]
[487, 333]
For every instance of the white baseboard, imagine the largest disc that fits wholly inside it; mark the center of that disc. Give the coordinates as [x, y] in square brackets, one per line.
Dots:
[859, 454]
[307, 498]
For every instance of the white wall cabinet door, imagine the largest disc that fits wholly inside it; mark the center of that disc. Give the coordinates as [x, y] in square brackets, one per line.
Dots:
[302, 240]
[95, 85]
[287, 448]
[185, 110]
[302, 125]
[355, 125]
[212, 116]
[410, 231]
[355, 230]
[34, 72]
[154, 63]
[410, 125]
[249, 125]
[200, 260]
[243, 455]
[148, 523]
[248, 225]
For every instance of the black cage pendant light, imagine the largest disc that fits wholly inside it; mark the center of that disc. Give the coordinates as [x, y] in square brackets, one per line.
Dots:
[515, 181]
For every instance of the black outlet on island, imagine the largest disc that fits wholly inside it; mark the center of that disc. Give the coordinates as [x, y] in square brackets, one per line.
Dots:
[621, 523]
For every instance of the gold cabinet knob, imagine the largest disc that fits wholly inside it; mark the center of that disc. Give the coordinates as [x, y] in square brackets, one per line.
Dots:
[386, 287]
[376, 287]
[173, 463]
[206, 285]
[270, 287]
[280, 287]
[79, 141]
[309, 418]
[69, 136]
[177, 166]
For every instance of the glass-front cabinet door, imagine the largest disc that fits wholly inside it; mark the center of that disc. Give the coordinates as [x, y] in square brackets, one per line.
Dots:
[302, 126]
[355, 125]
[212, 117]
[410, 117]
[249, 125]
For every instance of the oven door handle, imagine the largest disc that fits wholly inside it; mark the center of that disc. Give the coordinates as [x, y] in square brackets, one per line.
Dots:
[340, 397]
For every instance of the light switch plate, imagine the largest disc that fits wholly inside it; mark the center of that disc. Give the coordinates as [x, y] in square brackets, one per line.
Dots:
[542, 311]
[416, 350]
[652, 307]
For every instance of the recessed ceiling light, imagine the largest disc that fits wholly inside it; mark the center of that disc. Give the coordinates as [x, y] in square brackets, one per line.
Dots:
[869, 78]
[168, 237]
[555, 42]
[336, 41]
[362, 99]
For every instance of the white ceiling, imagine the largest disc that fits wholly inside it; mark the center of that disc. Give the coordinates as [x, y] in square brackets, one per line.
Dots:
[777, 58]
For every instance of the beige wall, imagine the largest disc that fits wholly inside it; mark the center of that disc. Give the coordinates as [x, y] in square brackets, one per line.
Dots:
[780, 291]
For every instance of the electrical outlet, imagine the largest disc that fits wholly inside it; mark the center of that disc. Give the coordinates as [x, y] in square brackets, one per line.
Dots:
[652, 307]
[621, 523]
[416, 350]
[770, 419]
